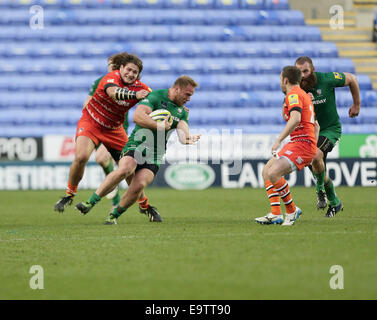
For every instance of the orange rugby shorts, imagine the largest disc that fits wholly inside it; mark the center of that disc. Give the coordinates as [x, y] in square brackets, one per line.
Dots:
[111, 139]
[300, 153]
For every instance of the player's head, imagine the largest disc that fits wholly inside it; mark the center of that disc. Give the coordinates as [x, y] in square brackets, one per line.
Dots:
[129, 66]
[182, 90]
[114, 62]
[309, 79]
[290, 76]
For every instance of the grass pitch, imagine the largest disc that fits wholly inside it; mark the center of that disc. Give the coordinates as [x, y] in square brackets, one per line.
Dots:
[207, 247]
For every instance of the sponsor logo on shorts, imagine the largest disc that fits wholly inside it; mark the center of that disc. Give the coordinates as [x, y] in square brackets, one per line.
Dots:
[337, 75]
[299, 160]
[81, 130]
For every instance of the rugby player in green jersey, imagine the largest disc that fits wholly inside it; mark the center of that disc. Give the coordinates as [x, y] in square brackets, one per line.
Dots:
[320, 86]
[143, 153]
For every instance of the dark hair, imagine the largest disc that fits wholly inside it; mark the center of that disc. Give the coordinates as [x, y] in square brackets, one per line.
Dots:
[123, 58]
[303, 59]
[292, 73]
[184, 81]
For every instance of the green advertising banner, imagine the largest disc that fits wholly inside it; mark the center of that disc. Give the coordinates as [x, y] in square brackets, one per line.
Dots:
[358, 146]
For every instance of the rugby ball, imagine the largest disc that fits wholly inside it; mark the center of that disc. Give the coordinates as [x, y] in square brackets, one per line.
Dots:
[161, 115]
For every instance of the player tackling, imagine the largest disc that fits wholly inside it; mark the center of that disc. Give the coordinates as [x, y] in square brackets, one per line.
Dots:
[102, 121]
[302, 127]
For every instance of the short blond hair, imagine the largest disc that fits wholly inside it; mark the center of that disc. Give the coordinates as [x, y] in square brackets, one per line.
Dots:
[184, 81]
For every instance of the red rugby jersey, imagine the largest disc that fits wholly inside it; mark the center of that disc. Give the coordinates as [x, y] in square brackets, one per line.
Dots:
[297, 99]
[106, 111]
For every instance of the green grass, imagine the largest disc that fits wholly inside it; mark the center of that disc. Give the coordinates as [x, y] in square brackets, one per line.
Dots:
[208, 247]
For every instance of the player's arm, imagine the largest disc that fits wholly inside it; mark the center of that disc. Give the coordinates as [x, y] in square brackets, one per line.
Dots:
[141, 118]
[352, 83]
[294, 120]
[117, 93]
[183, 132]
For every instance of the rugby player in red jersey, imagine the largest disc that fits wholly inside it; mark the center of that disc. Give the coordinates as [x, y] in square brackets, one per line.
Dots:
[102, 121]
[303, 129]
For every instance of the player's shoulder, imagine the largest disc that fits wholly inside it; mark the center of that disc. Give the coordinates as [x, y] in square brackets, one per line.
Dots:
[295, 95]
[111, 77]
[142, 85]
[138, 85]
[328, 76]
[152, 98]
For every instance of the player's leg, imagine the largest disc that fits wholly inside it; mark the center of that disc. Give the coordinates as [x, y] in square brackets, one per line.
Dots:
[277, 187]
[325, 145]
[105, 160]
[319, 172]
[84, 148]
[141, 179]
[274, 216]
[126, 167]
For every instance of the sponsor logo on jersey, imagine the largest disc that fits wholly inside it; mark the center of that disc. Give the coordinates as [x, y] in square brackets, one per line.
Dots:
[81, 130]
[110, 80]
[164, 104]
[179, 110]
[299, 160]
[319, 91]
[337, 75]
[293, 99]
[288, 152]
[319, 101]
[144, 101]
[123, 103]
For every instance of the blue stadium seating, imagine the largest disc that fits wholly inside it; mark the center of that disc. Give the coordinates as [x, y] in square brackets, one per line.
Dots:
[234, 49]
[166, 66]
[193, 4]
[162, 33]
[217, 49]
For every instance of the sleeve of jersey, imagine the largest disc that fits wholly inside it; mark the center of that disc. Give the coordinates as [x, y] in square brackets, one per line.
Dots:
[110, 80]
[149, 101]
[185, 116]
[335, 79]
[293, 103]
[145, 87]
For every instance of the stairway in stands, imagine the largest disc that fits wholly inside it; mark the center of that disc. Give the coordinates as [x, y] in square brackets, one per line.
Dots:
[354, 42]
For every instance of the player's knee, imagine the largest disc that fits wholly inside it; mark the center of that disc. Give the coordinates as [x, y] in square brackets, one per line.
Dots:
[317, 160]
[81, 159]
[272, 175]
[127, 169]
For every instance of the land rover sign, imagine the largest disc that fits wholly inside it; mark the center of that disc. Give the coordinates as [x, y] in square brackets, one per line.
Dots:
[189, 176]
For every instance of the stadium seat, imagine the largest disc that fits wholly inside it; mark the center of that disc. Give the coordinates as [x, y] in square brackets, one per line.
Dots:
[276, 4]
[227, 4]
[252, 4]
[202, 4]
